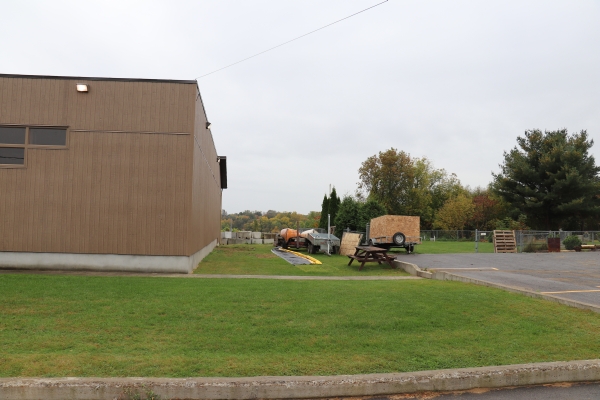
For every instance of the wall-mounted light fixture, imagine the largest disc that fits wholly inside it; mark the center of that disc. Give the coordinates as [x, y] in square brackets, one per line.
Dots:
[82, 87]
[207, 124]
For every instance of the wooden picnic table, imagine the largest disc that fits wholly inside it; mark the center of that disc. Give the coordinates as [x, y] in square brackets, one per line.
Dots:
[365, 254]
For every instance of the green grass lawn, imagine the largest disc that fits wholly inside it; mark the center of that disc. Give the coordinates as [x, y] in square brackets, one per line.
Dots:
[443, 247]
[52, 325]
[243, 259]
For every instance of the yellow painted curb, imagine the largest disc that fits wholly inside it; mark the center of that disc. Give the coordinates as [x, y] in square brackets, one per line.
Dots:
[309, 258]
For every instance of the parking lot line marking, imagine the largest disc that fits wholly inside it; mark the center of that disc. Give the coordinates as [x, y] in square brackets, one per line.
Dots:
[573, 291]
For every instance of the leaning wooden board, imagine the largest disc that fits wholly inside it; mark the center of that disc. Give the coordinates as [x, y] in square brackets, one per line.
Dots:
[349, 243]
[387, 225]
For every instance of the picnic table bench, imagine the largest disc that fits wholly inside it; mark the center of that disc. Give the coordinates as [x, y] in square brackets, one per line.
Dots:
[365, 254]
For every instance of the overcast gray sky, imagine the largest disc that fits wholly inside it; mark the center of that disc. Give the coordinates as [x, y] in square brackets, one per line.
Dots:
[454, 81]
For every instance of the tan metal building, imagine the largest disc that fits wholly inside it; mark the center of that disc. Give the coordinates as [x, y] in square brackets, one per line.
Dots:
[106, 174]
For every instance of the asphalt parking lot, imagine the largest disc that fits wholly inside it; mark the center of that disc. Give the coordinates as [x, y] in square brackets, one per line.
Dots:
[569, 275]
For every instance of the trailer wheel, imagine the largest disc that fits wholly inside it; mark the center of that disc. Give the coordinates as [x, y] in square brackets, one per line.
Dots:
[399, 238]
[285, 245]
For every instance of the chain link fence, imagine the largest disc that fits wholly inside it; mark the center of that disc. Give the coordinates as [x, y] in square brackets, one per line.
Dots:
[461, 236]
[527, 241]
[533, 241]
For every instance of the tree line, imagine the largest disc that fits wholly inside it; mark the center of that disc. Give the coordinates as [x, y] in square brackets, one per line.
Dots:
[269, 221]
[549, 181]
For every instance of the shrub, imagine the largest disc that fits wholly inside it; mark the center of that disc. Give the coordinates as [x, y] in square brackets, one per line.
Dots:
[571, 242]
[530, 248]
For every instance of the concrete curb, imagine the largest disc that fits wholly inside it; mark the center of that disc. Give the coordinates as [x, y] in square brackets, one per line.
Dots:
[303, 386]
[213, 276]
[413, 269]
[311, 278]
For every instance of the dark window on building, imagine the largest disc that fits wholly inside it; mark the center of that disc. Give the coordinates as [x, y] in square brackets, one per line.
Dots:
[12, 135]
[15, 142]
[48, 136]
[12, 155]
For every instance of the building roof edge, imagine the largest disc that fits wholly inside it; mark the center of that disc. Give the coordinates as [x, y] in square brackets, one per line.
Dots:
[90, 78]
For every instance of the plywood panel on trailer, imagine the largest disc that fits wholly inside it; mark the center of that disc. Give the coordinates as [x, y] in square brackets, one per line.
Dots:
[388, 225]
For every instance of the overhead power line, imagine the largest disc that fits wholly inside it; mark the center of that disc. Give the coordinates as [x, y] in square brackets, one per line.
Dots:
[289, 41]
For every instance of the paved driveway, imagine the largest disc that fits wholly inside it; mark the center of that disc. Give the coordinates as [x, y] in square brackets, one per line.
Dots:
[573, 276]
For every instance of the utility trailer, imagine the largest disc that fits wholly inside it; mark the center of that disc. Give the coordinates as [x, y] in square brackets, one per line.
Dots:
[390, 231]
[313, 240]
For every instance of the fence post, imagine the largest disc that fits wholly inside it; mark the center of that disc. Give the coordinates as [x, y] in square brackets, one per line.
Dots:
[476, 242]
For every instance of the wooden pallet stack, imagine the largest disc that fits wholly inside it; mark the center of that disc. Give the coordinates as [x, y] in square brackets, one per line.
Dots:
[504, 242]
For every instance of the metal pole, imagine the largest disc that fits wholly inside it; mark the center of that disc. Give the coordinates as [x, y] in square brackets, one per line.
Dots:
[476, 241]
[329, 224]
[328, 233]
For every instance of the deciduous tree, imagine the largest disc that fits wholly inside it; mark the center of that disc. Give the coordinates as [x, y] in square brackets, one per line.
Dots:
[487, 209]
[407, 186]
[455, 213]
[389, 178]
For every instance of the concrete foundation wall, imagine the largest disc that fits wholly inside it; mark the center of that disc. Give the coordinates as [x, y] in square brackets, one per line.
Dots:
[104, 262]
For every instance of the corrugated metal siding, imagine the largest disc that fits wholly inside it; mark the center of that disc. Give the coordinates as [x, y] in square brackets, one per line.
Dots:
[118, 188]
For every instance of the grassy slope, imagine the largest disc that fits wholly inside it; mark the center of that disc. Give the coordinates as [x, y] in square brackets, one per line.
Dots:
[258, 260]
[123, 326]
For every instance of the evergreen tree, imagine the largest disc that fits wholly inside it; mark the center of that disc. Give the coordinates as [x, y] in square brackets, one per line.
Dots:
[347, 216]
[324, 212]
[334, 204]
[551, 178]
[367, 211]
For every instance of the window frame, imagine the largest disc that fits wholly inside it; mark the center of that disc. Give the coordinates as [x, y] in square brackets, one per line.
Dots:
[27, 146]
